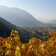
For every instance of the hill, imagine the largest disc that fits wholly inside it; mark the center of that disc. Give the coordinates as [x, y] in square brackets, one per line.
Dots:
[6, 28]
[19, 17]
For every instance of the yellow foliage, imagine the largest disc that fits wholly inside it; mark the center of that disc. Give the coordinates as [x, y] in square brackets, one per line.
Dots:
[8, 45]
[12, 46]
[17, 51]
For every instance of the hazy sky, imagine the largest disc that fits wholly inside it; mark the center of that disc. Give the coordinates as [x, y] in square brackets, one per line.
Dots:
[43, 10]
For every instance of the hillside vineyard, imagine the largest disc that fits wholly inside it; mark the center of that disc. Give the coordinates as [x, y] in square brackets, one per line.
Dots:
[12, 46]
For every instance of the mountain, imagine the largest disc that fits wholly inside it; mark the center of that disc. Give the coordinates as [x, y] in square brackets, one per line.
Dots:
[5, 27]
[19, 17]
[52, 22]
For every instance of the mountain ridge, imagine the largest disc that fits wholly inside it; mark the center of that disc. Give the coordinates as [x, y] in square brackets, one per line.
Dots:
[6, 28]
[19, 17]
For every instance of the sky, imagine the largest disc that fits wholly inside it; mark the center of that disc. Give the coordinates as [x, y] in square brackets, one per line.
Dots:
[43, 10]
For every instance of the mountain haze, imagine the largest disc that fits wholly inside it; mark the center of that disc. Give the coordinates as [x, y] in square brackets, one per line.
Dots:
[52, 21]
[19, 17]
